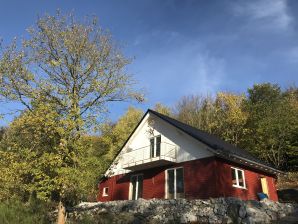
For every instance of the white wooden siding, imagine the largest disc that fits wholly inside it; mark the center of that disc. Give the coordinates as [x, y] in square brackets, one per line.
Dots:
[188, 148]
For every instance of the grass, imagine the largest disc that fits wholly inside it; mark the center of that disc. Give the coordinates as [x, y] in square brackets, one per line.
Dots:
[16, 212]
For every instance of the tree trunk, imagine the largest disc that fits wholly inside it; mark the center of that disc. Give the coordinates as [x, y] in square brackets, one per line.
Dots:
[61, 214]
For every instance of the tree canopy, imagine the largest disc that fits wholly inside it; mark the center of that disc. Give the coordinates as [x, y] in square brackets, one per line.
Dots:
[75, 65]
[64, 74]
[263, 122]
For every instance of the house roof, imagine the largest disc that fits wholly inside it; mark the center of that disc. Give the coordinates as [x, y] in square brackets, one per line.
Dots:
[220, 148]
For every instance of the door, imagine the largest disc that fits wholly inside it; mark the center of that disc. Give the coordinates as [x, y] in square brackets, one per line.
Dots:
[155, 146]
[174, 183]
[136, 186]
[264, 186]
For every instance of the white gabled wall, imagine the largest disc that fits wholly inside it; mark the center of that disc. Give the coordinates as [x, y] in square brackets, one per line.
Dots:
[188, 148]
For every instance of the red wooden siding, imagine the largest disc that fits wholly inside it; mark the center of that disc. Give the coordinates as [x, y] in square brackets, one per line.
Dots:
[203, 178]
[153, 185]
[252, 180]
[199, 181]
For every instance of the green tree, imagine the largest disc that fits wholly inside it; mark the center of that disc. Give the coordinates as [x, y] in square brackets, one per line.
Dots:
[2, 132]
[75, 65]
[64, 75]
[272, 124]
[41, 154]
[223, 115]
[230, 118]
[160, 108]
[36, 146]
[114, 135]
[197, 111]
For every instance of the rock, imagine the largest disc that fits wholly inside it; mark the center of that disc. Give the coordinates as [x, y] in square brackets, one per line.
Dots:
[272, 214]
[188, 217]
[232, 212]
[220, 210]
[205, 202]
[227, 220]
[214, 219]
[257, 215]
[102, 211]
[251, 211]
[242, 212]
[205, 211]
[252, 204]
[247, 220]
[172, 201]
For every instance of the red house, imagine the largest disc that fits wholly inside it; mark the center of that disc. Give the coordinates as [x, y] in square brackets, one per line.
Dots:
[164, 158]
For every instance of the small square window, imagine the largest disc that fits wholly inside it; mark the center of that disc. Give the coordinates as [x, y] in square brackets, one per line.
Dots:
[105, 191]
[238, 179]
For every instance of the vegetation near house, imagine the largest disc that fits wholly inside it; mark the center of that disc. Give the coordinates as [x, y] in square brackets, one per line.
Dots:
[264, 121]
[64, 75]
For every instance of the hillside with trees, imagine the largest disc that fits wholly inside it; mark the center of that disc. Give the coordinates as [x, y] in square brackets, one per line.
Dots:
[263, 120]
[65, 75]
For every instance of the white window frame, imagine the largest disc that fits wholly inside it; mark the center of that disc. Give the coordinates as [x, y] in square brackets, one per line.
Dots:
[104, 192]
[237, 178]
[137, 185]
[175, 187]
[154, 145]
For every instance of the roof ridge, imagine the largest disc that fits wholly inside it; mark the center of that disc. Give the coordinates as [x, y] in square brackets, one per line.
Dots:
[205, 132]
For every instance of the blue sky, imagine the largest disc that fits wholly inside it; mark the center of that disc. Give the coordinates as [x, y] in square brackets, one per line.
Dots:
[184, 47]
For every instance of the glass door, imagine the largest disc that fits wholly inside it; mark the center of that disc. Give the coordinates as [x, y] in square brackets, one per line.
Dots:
[174, 183]
[136, 182]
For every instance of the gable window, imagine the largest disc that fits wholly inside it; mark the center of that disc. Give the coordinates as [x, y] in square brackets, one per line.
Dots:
[155, 146]
[105, 191]
[238, 179]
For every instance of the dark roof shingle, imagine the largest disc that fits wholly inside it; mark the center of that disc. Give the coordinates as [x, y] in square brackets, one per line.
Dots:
[219, 146]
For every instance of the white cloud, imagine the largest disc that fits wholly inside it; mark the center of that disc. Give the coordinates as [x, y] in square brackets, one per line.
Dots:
[206, 73]
[272, 14]
[186, 68]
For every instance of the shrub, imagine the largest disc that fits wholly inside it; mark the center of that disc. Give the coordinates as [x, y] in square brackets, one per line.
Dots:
[287, 181]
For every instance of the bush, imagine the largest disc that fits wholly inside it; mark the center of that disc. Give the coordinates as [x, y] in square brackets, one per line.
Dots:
[288, 181]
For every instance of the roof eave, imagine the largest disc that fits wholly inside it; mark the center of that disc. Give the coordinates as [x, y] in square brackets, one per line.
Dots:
[256, 164]
[250, 163]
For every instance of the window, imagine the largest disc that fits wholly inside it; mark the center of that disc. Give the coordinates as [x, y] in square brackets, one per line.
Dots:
[174, 183]
[155, 146]
[105, 191]
[238, 179]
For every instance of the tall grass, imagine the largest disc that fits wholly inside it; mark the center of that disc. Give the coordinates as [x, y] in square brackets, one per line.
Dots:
[16, 212]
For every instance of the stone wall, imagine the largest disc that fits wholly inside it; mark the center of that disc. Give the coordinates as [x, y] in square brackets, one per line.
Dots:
[220, 210]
